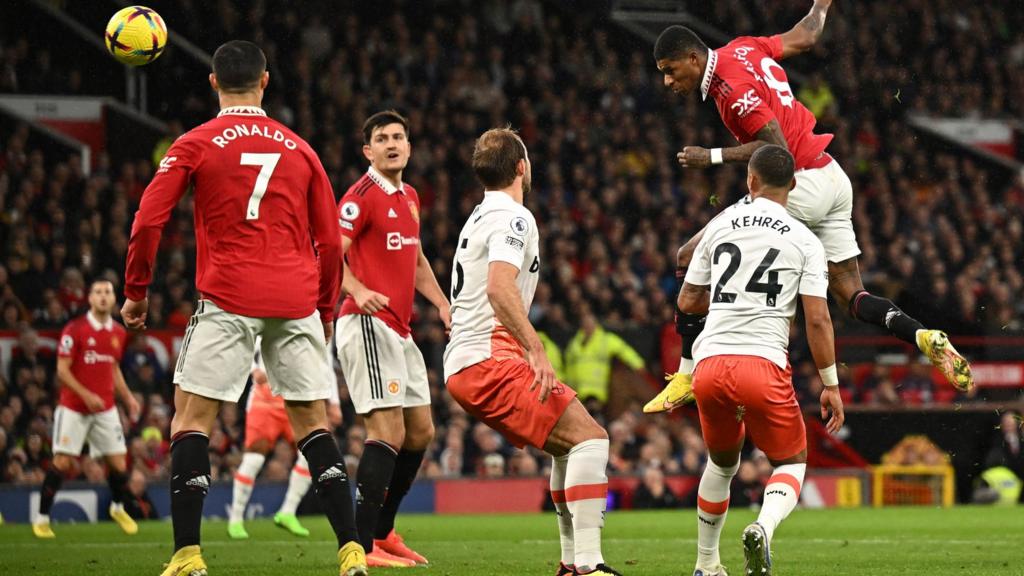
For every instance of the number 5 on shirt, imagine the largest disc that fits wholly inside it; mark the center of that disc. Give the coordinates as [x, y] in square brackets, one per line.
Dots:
[267, 163]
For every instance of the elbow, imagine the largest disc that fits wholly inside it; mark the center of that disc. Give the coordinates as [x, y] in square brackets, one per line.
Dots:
[819, 324]
[493, 292]
[688, 304]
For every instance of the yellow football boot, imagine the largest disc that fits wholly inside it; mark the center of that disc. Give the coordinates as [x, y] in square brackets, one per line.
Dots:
[677, 392]
[43, 530]
[186, 562]
[352, 559]
[937, 347]
[117, 514]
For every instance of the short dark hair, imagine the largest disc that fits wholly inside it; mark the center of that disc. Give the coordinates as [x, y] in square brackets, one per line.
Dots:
[676, 42]
[239, 65]
[99, 281]
[383, 118]
[495, 156]
[774, 165]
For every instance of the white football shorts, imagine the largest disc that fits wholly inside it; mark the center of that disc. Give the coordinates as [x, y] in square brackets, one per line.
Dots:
[382, 369]
[71, 430]
[218, 349]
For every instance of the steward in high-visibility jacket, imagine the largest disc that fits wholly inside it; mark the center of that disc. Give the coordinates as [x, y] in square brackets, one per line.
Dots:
[589, 356]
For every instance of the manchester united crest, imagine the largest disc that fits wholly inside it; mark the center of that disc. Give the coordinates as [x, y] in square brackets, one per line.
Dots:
[414, 211]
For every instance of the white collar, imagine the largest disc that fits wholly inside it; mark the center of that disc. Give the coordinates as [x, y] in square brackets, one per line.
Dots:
[242, 111]
[384, 183]
[767, 203]
[709, 72]
[499, 196]
[96, 325]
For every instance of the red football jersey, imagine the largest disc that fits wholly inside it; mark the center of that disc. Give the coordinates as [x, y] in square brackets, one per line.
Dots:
[262, 200]
[95, 350]
[384, 225]
[750, 88]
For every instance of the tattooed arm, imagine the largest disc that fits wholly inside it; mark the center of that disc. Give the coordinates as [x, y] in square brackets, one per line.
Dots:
[806, 32]
[698, 157]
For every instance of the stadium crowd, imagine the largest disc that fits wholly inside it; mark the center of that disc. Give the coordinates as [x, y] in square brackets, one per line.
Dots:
[941, 232]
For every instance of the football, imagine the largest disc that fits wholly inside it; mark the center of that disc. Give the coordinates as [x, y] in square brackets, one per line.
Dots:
[136, 35]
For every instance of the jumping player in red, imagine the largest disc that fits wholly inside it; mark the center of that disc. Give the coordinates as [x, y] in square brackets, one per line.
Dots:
[268, 253]
[495, 365]
[752, 264]
[754, 99]
[89, 370]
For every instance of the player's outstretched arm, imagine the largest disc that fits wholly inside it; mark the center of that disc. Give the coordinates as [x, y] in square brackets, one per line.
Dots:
[507, 302]
[822, 342]
[694, 299]
[805, 34]
[699, 157]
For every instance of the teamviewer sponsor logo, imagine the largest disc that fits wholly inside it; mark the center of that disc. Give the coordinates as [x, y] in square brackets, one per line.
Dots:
[395, 241]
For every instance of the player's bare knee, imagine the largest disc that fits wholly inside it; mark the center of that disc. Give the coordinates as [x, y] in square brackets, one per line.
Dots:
[118, 462]
[419, 437]
[62, 462]
[306, 417]
[386, 425]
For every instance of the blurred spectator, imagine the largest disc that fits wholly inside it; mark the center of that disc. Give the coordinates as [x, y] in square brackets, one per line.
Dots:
[653, 492]
[1008, 444]
[137, 504]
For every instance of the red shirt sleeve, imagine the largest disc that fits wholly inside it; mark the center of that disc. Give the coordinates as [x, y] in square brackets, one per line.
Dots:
[161, 196]
[747, 110]
[66, 348]
[771, 45]
[326, 238]
[352, 215]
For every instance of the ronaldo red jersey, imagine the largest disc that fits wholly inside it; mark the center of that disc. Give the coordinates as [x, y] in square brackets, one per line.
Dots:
[384, 225]
[95, 350]
[750, 88]
[262, 200]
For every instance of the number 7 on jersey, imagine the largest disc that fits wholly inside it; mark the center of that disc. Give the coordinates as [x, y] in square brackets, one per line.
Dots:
[267, 163]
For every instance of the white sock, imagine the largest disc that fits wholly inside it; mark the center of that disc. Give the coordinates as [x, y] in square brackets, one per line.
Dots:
[712, 507]
[116, 507]
[780, 496]
[246, 474]
[43, 519]
[565, 530]
[685, 365]
[586, 496]
[298, 485]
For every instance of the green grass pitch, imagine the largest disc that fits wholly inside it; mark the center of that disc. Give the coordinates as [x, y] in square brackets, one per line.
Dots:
[863, 542]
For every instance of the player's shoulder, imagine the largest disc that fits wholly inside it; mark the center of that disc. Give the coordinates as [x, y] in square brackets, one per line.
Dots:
[73, 325]
[501, 207]
[359, 189]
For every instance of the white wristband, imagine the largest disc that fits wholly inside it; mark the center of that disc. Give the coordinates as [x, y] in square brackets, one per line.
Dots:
[829, 376]
[716, 156]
